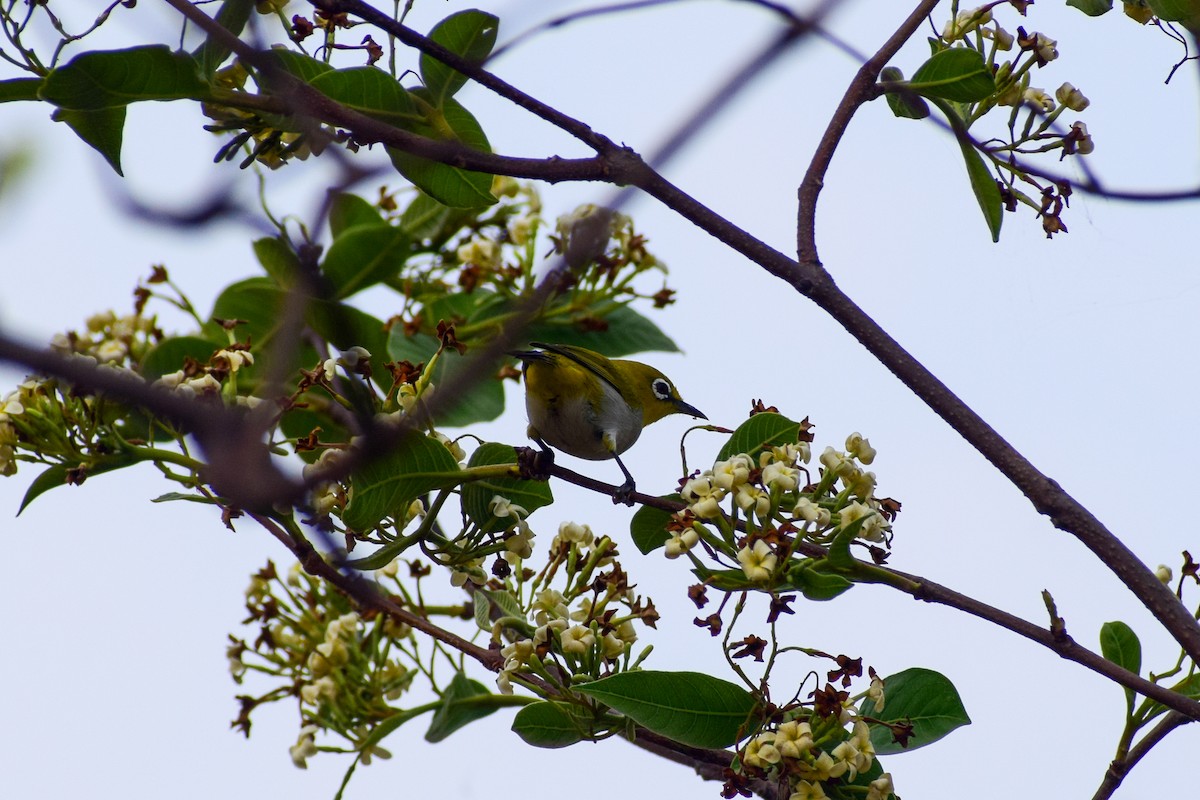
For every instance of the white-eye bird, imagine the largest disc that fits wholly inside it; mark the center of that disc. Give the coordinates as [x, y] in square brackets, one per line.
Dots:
[594, 407]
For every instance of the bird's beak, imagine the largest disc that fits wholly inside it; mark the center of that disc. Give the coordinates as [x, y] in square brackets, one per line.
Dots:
[685, 408]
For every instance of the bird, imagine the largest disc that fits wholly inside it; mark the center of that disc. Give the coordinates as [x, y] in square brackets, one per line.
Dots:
[594, 407]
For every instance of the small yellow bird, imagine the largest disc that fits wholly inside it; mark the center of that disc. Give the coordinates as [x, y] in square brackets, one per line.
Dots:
[594, 407]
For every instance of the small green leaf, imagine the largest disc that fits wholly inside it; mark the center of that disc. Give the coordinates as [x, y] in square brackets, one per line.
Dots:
[983, 185]
[56, 475]
[349, 210]
[1120, 645]
[689, 707]
[547, 724]
[370, 91]
[457, 710]
[364, 256]
[812, 579]
[232, 16]
[470, 34]
[477, 495]
[905, 104]
[926, 699]
[758, 433]
[648, 528]
[18, 89]
[506, 605]
[1093, 8]
[957, 74]
[386, 486]
[107, 78]
[102, 128]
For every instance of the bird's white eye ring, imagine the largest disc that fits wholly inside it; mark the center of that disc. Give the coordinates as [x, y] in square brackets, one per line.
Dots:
[661, 388]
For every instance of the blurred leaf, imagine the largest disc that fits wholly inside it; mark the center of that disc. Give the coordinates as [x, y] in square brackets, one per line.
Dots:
[483, 401]
[107, 78]
[477, 495]
[689, 707]
[170, 354]
[470, 34]
[364, 256]
[957, 74]
[349, 210]
[278, 259]
[56, 475]
[370, 91]
[547, 724]
[923, 697]
[454, 713]
[302, 66]
[102, 129]
[386, 486]
[449, 185]
[648, 528]
[758, 433]
[232, 16]
[427, 220]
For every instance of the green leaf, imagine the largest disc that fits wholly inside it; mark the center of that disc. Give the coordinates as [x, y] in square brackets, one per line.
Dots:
[628, 332]
[389, 724]
[923, 697]
[386, 486]
[278, 259]
[483, 401]
[232, 16]
[758, 433]
[256, 301]
[20, 89]
[170, 355]
[688, 707]
[370, 91]
[364, 256]
[1093, 8]
[505, 603]
[427, 220]
[103, 129]
[349, 210]
[470, 34]
[56, 475]
[904, 104]
[547, 724]
[648, 528]
[810, 577]
[957, 74]
[1120, 645]
[983, 185]
[107, 78]
[477, 495]
[455, 711]
[449, 185]
[299, 65]
[726, 580]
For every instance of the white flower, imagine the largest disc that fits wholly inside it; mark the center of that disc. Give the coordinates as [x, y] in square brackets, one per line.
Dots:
[751, 499]
[860, 448]
[1038, 98]
[304, 747]
[965, 22]
[681, 541]
[761, 752]
[794, 739]
[1083, 140]
[1072, 98]
[1045, 49]
[758, 562]
[731, 474]
[1004, 39]
[1163, 573]
[577, 640]
[809, 511]
[808, 790]
[502, 507]
[778, 475]
[703, 496]
[549, 604]
[479, 251]
[881, 788]
[876, 693]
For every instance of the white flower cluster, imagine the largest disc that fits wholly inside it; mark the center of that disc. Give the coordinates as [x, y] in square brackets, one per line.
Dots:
[791, 750]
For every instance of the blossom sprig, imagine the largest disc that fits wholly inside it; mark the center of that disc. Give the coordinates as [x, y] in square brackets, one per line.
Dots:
[775, 501]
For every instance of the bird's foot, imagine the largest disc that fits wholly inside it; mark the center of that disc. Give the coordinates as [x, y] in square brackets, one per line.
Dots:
[534, 464]
[624, 493]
